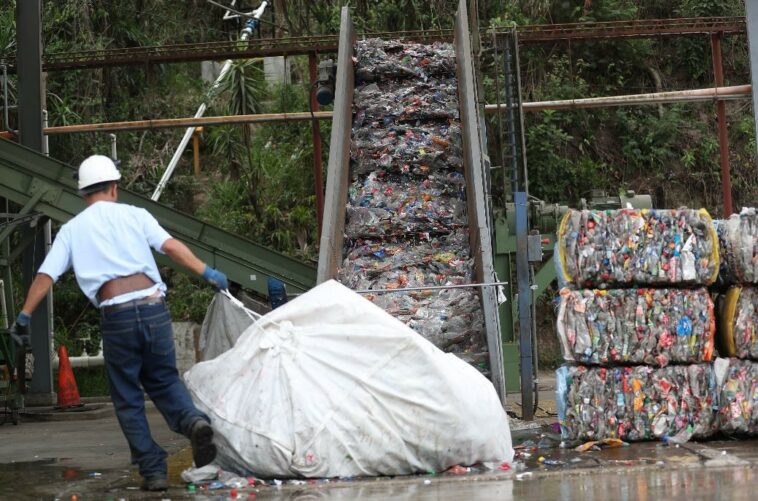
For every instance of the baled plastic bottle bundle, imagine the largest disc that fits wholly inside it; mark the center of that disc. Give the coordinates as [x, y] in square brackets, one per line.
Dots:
[677, 402]
[636, 326]
[738, 237]
[738, 396]
[606, 248]
[738, 334]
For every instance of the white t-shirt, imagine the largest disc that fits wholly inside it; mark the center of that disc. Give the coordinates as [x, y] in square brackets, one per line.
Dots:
[105, 241]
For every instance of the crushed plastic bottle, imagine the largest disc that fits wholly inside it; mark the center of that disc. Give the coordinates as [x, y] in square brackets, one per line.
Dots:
[738, 240]
[738, 396]
[395, 102]
[739, 321]
[636, 326]
[379, 59]
[637, 403]
[624, 247]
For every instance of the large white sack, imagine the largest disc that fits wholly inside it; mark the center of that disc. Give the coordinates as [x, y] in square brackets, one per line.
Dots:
[331, 385]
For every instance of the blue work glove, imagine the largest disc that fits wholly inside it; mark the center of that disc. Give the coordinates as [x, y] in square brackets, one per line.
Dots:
[215, 278]
[20, 331]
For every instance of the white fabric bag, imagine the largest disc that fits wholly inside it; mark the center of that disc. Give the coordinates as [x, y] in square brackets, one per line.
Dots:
[331, 385]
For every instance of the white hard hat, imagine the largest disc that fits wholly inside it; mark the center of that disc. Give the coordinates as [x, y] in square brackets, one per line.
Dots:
[97, 169]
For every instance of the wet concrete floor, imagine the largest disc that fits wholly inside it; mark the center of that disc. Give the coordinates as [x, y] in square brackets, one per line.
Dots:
[90, 460]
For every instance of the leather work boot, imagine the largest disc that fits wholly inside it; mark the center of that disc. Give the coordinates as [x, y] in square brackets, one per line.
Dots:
[203, 448]
[155, 484]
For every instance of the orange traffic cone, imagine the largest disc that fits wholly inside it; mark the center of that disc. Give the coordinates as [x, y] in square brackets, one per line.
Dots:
[68, 393]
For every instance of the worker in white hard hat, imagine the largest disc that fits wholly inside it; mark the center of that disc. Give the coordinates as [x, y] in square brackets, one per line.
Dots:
[108, 245]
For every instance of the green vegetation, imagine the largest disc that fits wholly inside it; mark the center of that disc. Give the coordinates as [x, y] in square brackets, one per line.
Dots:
[258, 180]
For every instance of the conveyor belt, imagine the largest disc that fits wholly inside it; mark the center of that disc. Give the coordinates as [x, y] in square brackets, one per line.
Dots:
[475, 171]
[47, 186]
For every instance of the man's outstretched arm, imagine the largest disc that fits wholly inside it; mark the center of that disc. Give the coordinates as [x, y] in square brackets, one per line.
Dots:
[181, 254]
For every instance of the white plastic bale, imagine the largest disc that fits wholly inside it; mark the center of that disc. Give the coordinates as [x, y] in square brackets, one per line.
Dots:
[331, 385]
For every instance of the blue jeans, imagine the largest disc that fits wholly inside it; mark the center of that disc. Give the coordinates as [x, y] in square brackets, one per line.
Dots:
[138, 346]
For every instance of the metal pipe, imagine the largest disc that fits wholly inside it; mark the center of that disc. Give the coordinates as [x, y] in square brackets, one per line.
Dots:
[431, 287]
[697, 95]
[244, 35]
[45, 139]
[316, 138]
[167, 123]
[3, 307]
[693, 95]
[718, 75]
[6, 123]
[114, 151]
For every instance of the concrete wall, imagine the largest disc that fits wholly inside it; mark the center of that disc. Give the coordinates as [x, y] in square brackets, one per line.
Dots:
[186, 335]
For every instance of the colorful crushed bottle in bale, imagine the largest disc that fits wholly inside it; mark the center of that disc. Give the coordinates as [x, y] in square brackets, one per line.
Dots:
[738, 237]
[676, 403]
[738, 335]
[636, 326]
[624, 247]
[738, 396]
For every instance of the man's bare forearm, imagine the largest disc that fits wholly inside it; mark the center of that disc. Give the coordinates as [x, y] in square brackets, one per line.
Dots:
[37, 292]
[182, 255]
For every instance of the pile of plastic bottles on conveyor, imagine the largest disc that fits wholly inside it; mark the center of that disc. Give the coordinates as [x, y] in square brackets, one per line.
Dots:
[676, 402]
[406, 224]
[636, 326]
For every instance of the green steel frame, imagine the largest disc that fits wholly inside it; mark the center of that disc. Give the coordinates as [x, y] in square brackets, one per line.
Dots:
[44, 185]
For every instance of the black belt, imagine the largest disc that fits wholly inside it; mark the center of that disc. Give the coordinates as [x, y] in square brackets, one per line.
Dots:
[131, 304]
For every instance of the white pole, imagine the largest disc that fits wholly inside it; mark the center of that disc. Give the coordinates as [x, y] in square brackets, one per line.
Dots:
[244, 35]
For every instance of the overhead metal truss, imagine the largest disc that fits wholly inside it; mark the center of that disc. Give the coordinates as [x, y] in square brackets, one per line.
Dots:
[292, 46]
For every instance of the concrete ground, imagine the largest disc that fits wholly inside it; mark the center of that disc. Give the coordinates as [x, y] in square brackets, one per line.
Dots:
[89, 459]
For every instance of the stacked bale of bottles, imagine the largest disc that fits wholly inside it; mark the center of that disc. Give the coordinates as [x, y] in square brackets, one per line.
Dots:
[738, 322]
[406, 224]
[637, 324]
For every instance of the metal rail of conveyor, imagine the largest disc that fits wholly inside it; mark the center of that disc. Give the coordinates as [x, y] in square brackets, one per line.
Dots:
[332, 236]
[41, 184]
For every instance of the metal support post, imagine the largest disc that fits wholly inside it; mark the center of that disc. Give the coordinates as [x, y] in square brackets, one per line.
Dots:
[41, 391]
[718, 74]
[196, 151]
[524, 306]
[30, 104]
[316, 137]
[751, 18]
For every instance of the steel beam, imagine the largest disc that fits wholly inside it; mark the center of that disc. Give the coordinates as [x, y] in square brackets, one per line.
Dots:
[293, 46]
[23, 173]
[30, 100]
[524, 306]
[718, 75]
[332, 234]
[751, 15]
[318, 168]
